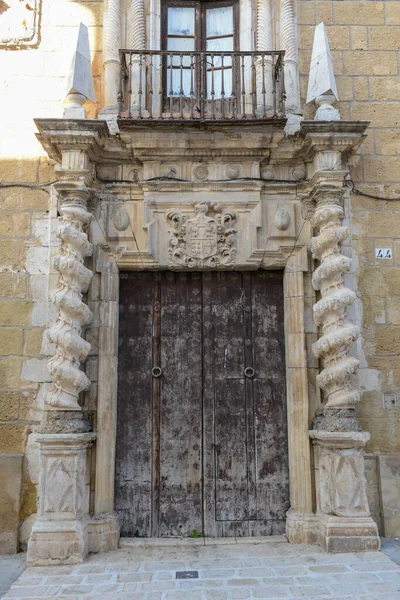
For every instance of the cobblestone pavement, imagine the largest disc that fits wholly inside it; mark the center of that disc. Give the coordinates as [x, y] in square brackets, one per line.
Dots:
[233, 571]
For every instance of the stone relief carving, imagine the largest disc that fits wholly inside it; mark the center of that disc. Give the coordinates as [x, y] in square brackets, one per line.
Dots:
[71, 348]
[201, 172]
[330, 312]
[59, 496]
[121, 219]
[202, 241]
[282, 219]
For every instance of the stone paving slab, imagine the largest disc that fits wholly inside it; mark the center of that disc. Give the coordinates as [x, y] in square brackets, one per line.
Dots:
[225, 572]
[11, 568]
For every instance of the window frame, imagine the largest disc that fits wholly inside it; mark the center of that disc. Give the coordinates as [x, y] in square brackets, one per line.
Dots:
[200, 32]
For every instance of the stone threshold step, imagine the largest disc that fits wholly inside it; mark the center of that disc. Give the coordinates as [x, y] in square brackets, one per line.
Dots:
[180, 541]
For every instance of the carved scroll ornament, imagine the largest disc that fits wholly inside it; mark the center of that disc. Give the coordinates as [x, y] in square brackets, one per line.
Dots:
[202, 241]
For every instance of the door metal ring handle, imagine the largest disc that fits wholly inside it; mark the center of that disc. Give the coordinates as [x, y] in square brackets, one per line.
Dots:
[156, 371]
[249, 372]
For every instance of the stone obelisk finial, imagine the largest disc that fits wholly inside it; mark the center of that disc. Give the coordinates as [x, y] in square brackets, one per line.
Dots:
[80, 85]
[321, 84]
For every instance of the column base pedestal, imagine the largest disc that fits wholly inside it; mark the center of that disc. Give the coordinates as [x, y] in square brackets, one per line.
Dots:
[58, 543]
[301, 528]
[347, 534]
[103, 533]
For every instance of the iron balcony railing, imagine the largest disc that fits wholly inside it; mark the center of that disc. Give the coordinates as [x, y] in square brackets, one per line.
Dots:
[201, 86]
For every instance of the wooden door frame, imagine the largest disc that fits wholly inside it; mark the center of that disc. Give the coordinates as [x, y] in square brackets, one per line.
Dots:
[300, 517]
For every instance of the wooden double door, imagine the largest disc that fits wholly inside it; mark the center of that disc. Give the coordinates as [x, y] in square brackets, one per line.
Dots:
[202, 427]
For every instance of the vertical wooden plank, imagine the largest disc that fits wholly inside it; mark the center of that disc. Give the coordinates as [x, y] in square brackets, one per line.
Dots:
[231, 489]
[270, 396]
[181, 405]
[134, 411]
[249, 362]
[156, 361]
[225, 468]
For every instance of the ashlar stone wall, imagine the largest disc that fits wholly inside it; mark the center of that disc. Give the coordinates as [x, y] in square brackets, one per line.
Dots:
[364, 37]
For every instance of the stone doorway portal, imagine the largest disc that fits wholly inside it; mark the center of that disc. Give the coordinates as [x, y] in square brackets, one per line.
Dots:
[202, 425]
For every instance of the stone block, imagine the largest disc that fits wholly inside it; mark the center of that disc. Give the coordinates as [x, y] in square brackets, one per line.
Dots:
[11, 341]
[387, 341]
[374, 310]
[33, 341]
[9, 405]
[373, 491]
[372, 282]
[35, 369]
[306, 12]
[389, 471]
[359, 38]
[15, 312]
[12, 437]
[378, 114]
[10, 371]
[384, 38]
[324, 12]
[359, 13]
[345, 88]
[370, 63]
[13, 284]
[392, 280]
[103, 532]
[24, 198]
[46, 170]
[388, 142]
[382, 169]
[12, 170]
[385, 368]
[392, 13]
[361, 91]
[16, 224]
[385, 224]
[394, 311]
[10, 493]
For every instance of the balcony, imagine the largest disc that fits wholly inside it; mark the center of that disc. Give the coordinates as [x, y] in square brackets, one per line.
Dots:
[164, 86]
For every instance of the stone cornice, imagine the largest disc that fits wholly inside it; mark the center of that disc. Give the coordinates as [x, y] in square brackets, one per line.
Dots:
[334, 136]
[58, 135]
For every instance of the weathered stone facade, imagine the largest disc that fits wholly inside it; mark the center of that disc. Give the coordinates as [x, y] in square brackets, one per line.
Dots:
[121, 190]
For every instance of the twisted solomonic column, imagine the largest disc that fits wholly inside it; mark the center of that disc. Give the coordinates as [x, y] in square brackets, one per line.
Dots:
[330, 311]
[264, 71]
[136, 25]
[112, 19]
[288, 43]
[73, 314]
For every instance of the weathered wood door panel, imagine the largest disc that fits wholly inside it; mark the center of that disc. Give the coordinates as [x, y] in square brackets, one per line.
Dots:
[203, 446]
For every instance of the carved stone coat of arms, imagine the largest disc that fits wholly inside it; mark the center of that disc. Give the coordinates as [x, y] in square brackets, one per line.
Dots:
[202, 241]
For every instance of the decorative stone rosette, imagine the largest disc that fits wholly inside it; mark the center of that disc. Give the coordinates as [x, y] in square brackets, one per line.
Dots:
[202, 241]
[330, 312]
[73, 314]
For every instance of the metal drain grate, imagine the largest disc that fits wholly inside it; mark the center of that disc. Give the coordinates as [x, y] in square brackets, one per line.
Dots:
[187, 575]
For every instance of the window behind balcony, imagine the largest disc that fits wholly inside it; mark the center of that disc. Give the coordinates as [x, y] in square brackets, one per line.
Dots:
[199, 26]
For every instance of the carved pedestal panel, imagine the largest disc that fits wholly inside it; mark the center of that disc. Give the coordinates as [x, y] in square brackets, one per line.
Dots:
[60, 535]
[345, 524]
